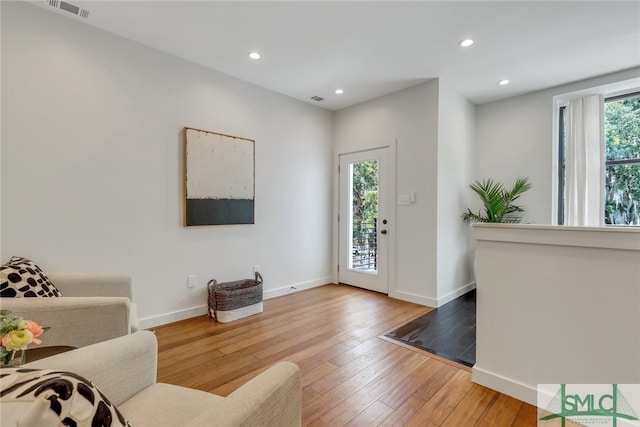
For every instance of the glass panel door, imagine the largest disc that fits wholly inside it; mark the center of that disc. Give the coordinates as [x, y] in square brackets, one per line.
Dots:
[363, 229]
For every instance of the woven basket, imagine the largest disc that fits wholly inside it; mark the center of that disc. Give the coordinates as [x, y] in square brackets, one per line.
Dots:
[234, 300]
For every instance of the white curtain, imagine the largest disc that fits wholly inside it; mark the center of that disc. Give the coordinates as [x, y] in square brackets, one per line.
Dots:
[584, 163]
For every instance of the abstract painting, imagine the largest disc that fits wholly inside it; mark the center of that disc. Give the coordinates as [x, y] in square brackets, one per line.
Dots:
[219, 178]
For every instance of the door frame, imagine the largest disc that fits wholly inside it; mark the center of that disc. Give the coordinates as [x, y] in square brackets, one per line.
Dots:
[391, 228]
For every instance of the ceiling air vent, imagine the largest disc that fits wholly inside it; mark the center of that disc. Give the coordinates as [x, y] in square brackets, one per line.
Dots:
[68, 7]
[317, 98]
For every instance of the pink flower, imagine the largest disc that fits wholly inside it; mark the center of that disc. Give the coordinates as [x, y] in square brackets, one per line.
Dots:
[34, 328]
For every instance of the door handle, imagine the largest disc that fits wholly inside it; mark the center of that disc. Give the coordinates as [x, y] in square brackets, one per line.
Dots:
[383, 231]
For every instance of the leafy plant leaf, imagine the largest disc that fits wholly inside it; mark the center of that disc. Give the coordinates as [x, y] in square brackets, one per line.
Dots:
[497, 201]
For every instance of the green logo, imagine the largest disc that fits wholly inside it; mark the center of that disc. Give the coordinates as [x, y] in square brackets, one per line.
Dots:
[587, 408]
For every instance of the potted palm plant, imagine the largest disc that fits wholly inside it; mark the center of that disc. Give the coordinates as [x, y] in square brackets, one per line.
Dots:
[497, 201]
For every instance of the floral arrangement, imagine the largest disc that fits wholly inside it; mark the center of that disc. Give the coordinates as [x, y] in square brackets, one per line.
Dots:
[17, 334]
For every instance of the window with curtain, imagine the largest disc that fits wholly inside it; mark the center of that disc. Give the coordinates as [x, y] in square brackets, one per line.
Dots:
[600, 179]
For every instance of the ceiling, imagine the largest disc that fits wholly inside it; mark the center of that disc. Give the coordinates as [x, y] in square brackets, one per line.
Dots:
[372, 48]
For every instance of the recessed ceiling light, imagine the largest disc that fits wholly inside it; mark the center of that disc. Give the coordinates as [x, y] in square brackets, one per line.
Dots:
[466, 43]
[503, 82]
[339, 91]
[254, 55]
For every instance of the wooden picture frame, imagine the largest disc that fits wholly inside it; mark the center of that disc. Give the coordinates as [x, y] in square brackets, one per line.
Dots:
[219, 178]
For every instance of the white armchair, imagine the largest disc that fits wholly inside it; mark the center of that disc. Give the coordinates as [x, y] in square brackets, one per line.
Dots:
[93, 308]
[125, 371]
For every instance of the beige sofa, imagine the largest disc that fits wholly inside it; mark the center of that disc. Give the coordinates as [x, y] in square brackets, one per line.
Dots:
[125, 371]
[93, 308]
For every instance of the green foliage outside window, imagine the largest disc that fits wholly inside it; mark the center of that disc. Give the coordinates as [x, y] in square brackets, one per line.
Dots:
[622, 179]
[365, 213]
[365, 193]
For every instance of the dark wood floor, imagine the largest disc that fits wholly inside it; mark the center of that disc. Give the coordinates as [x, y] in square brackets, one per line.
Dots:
[448, 331]
[350, 376]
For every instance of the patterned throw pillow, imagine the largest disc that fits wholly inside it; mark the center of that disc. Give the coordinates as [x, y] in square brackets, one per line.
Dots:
[45, 397]
[20, 277]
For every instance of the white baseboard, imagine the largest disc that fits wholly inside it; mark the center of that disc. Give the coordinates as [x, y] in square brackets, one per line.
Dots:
[508, 386]
[414, 298]
[455, 294]
[175, 316]
[429, 301]
[296, 287]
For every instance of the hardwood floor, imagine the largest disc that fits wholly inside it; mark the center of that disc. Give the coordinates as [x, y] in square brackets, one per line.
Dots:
[350, 376]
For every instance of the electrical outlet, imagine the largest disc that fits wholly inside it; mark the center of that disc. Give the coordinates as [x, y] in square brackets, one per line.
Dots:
[191, 281]
[256, 269]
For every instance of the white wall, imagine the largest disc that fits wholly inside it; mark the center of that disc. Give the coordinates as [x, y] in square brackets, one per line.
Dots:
[433, 126]
[515, 137]
[409, 116]
[456, 129]
[92, 166]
